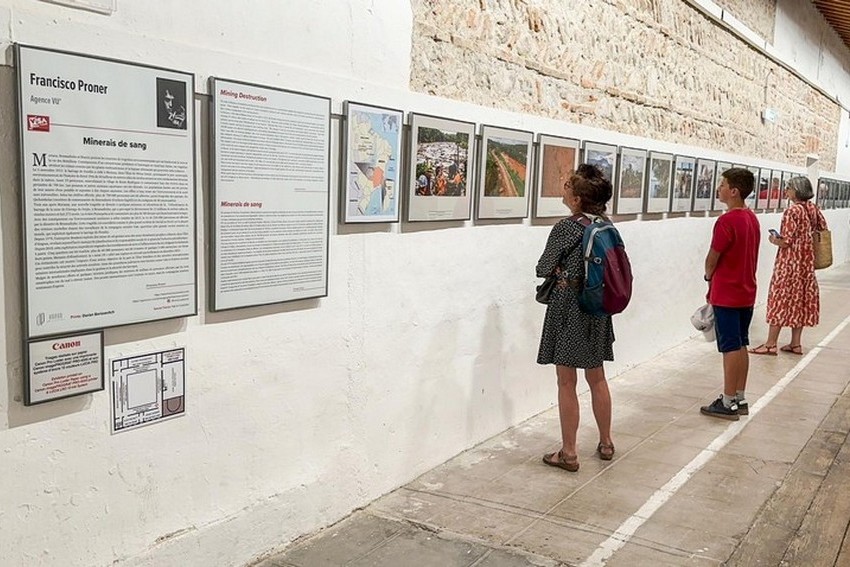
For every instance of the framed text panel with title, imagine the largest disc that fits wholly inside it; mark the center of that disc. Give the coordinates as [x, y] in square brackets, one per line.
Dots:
[557, 158]
[372, 175]
[505, 173]
[441, 162]
[108, 172]
[270, 195]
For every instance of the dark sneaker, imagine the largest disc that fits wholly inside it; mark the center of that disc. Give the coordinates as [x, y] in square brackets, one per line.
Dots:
[743, 408]
[717, 409]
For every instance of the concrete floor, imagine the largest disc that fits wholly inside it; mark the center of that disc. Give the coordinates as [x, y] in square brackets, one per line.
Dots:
[683, 489]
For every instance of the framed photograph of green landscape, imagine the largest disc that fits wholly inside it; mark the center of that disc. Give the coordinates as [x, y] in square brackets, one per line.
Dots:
[504, 173]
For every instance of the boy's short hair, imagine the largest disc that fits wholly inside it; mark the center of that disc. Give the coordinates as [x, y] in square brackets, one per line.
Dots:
[741, 179]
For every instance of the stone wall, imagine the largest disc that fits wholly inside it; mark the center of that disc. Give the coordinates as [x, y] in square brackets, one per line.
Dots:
[655, 68]
[758, 15]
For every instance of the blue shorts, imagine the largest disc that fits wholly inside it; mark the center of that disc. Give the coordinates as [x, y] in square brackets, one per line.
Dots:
[732, 327]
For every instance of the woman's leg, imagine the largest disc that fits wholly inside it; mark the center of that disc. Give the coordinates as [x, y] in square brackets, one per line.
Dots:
[600, 398]
[772, 335]
[567, 409]
[796, 336]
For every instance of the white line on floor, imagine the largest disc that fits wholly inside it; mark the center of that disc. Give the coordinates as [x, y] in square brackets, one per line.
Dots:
[627, 529]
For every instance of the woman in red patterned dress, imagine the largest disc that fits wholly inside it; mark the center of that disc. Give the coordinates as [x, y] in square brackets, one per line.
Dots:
[793, 299]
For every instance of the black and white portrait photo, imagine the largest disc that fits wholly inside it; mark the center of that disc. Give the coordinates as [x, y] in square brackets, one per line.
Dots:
[170, 104]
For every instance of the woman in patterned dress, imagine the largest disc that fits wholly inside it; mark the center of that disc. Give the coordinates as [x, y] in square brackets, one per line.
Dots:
[793, 299]
[573, 339]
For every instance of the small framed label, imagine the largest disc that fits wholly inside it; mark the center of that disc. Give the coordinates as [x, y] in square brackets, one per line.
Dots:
[63, 366]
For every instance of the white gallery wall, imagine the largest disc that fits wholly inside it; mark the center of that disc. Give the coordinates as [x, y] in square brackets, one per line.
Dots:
[299, 413]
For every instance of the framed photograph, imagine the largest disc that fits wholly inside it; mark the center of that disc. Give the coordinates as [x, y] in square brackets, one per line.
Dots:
[774, 190]
[441, 159]
[270, 195]
[659, 182]
[752, 201]
[372, 145]
[683, 184]
[706, 169]
[505, 173]
[721, 167]
[63, 366]
[602, 155]
[630, 182]
[763, 187]
[557, 158]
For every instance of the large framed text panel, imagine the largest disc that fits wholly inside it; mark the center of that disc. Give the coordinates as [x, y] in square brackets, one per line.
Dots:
[271, 195]
[108, 173]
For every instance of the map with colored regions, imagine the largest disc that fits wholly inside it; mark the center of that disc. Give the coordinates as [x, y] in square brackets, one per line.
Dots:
[373, 158]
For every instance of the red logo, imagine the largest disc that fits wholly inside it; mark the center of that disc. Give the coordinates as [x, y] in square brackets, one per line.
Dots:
[36, 123]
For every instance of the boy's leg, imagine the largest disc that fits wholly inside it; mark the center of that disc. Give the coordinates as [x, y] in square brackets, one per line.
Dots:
[728, 326]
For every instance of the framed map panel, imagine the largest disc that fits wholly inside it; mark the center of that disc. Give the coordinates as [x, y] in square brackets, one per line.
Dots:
[372, 146]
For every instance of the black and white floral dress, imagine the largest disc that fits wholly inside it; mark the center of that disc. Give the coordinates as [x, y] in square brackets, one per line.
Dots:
[570, 336]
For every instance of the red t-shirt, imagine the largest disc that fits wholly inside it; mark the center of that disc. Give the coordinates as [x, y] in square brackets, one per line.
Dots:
[736, 238]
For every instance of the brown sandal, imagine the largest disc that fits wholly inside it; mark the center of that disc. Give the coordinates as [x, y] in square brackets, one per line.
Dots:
[765, 349]
[606, 452]
[558, 460]
[793, 349]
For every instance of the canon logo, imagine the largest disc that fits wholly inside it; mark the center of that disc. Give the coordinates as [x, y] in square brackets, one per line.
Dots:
[69, 344]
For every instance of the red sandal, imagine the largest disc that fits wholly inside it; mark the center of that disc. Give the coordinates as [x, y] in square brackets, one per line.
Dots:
[793, 349]
[765, 349]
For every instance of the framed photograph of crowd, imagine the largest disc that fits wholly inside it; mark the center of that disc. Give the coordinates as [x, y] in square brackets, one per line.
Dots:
[557, 158]
[683, 184]
[659, 180]
[705, 184]
[441, 159]
[372, 142]
[505, 173]
[630, 182]
[602, 155]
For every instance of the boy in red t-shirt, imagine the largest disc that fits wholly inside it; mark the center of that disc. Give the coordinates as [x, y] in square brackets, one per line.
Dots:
[730, 270]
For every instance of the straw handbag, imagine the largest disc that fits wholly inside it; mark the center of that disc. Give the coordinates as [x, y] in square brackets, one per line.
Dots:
[822, 240]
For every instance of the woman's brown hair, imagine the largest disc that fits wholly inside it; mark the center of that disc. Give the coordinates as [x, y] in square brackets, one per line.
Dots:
[592, 188]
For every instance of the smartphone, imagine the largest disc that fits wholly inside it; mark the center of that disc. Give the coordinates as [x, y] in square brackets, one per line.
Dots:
[774, 233]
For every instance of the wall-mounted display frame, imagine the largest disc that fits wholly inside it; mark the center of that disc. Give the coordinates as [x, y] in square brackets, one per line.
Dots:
[659, 181]
[773, 191]
[270, 194]
[603, 156]
[63, 366]
[442, 160]
[705, 184]
[630, 181]
[373, 165]
[762, 187]
[683, 184]
[752, 201]
[557, 158]
[721, 167]
[108, 192]
[505, 173]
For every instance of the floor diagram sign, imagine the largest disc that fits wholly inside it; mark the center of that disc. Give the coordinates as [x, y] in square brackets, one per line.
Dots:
[108, 173]
[147, 388]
